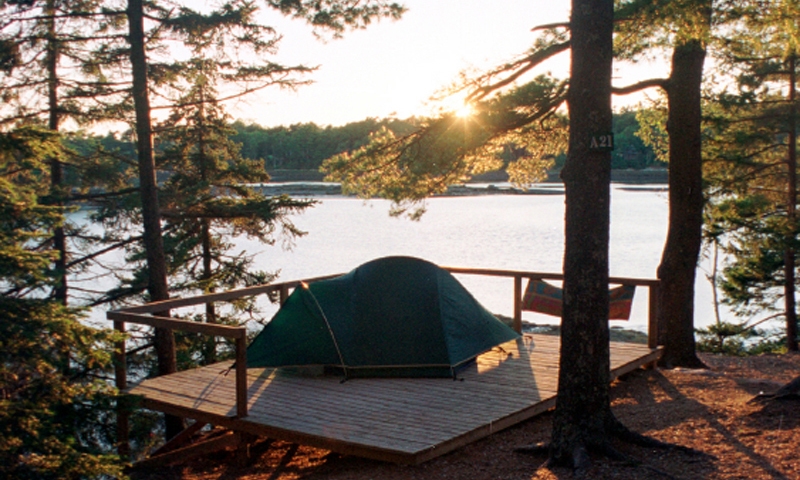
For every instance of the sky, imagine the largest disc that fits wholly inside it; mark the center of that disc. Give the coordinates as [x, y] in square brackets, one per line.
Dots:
[393, 67]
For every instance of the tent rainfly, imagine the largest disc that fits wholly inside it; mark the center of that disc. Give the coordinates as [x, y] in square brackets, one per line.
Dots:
[390, 317]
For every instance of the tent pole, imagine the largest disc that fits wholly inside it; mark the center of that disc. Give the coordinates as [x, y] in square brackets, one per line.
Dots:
[304, 285]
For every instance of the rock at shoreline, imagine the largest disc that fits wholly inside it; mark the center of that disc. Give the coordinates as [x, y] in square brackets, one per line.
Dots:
[617, 334]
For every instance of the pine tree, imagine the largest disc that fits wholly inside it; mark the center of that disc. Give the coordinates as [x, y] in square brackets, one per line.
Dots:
[51, 365]
[685, 27]
[232, 21]
[46, 44]
[755, 176]
[209, 199]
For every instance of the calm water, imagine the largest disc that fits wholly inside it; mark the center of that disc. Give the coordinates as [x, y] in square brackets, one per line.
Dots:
[520, 232]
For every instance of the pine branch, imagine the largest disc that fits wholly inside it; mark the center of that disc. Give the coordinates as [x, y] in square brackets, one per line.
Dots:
[518, 69]
[97, 196]
[639, 86]
[551, 26]
[103, 251]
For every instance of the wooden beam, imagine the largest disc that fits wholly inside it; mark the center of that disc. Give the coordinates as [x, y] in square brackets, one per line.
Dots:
[180, 439]
[226, 440]
[241, 377]
[175, 324]
[652, 316]
[283, 288]
[220, 296]
[518, 304]
[643, 361]
[490, 272]
[284, 294]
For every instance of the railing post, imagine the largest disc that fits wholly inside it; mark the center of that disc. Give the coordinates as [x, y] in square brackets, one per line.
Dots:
[652, 314]
[284, 294]
[518, 303]
[121, 382]
[241, 374]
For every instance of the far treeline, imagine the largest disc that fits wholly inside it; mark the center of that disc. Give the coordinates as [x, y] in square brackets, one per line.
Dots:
[304, 146]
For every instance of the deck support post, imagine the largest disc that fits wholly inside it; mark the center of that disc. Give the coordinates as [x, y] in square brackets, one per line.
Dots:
[241, 374]
[244, 442]
[517, 304]
[653, 333]
[283, 294]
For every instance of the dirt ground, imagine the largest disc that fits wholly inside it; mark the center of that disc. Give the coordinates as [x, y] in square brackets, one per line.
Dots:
[708, 410]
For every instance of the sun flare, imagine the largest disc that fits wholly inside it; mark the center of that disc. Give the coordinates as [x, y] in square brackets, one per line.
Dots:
[464, 111]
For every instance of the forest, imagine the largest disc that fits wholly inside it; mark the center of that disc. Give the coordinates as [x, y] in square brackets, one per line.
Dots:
[172, 190]
[307, 146]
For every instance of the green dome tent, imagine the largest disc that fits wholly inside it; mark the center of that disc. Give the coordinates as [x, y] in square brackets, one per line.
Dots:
[391, 317]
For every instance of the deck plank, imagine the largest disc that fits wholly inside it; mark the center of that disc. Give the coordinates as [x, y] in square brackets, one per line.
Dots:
[394, 419]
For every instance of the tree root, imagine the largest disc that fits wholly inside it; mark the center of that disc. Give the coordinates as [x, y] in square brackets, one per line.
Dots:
[581, 460]
[541, 448]
[579, 456]
[790, 391]
[623, 433]
[690, 362]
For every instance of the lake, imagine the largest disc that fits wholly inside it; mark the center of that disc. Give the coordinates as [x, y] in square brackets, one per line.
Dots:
[501, 231]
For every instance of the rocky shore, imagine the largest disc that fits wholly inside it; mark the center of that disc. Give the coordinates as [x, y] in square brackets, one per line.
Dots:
[321, 189]
[309, 183]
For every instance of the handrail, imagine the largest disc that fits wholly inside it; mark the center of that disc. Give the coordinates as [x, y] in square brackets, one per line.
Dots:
[652, 285]
[220, 296]
[239, 334]
[177, 324]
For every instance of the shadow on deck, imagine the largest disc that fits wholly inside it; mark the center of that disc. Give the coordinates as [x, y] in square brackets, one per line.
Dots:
[396, 420]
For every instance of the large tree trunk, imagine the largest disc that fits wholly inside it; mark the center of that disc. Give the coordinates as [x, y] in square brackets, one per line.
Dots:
[153, 243]
[56, 169]
[684, 238]
[791, 204]
[210, 350]
[583, 413]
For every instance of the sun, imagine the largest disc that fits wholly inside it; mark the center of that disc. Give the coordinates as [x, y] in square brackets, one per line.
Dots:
[464, 111]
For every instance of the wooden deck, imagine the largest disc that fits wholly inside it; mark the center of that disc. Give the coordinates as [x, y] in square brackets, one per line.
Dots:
[396, 420]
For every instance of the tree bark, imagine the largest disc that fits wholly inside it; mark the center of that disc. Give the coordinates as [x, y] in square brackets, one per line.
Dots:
[153, 243]
[583, 413]
[60, 291]
[791, 204]
[679, 260]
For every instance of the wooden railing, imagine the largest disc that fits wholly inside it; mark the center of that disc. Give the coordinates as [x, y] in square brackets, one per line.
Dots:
[518, 276]
[143, 315]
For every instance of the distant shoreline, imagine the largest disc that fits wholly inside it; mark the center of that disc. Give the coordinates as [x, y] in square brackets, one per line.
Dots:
[310, 183]
[646, 176]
